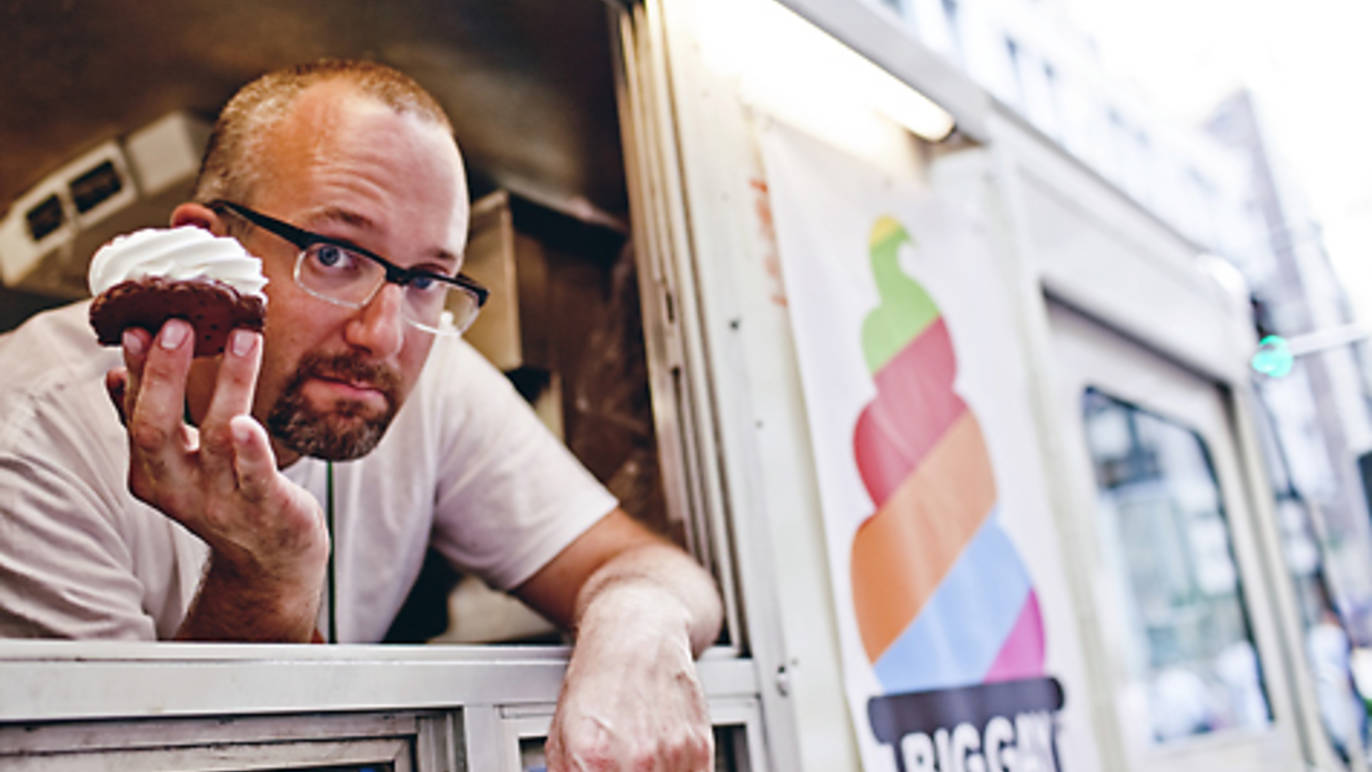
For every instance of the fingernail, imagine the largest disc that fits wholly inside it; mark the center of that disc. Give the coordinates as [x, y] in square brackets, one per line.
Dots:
[241, 433]
[132, 343]
[174, 333]
[240, 342]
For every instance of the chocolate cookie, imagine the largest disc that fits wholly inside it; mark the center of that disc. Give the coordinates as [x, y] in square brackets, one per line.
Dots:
[212, 307]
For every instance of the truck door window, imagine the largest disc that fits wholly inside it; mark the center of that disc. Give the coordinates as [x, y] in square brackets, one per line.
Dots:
[1173, 585]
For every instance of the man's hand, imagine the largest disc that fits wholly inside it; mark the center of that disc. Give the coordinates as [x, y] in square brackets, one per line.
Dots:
[631, 699]
[268, 541]
[642, 610]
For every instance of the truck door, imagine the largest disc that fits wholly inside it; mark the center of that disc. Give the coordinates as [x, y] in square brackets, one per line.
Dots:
[1189, 668]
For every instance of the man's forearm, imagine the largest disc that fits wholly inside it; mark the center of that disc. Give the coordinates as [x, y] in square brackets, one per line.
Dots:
[653, 583]
[641, 610]
[232, 607]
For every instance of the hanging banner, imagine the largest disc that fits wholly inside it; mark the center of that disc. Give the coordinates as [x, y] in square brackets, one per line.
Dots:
[919, 416]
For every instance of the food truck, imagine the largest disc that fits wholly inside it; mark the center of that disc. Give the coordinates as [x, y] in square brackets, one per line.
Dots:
[964, 434]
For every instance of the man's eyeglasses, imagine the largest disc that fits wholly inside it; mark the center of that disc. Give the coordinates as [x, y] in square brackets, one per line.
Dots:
[350, 276]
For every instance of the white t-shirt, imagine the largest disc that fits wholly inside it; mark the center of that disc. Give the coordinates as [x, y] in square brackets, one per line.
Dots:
[465, 467]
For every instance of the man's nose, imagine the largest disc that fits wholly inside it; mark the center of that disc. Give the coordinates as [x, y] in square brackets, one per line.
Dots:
[379, 327]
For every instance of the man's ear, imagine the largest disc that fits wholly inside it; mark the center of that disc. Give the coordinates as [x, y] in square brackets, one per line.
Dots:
[199, 215]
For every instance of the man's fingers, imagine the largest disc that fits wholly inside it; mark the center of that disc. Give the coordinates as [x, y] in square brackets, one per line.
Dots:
[116, 385]
[233, 395]
[552, 749]
[136, 341]
[157, 394]
[254, 464]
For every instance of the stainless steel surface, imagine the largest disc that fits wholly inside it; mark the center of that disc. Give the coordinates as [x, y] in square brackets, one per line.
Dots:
[528, 82]
[63, 680]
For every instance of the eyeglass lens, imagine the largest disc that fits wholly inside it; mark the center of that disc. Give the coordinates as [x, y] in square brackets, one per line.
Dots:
[349, 278]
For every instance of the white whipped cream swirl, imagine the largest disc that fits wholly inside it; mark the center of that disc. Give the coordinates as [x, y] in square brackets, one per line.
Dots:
[178, 254]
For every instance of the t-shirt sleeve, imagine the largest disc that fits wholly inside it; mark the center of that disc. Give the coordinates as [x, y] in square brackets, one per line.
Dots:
[65, 570]
[79, 556]
[510, 496]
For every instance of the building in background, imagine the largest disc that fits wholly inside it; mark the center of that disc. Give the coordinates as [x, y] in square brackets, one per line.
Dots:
[1222, 186]
[1320, 412]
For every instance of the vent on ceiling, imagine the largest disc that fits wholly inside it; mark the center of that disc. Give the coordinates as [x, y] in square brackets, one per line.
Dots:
[50, 231]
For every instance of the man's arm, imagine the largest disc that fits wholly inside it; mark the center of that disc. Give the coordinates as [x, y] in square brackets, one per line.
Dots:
[641, 610]
[268, 543]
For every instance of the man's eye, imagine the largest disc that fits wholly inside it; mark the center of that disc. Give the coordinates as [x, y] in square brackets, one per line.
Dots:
[330, 256]
[422, 282]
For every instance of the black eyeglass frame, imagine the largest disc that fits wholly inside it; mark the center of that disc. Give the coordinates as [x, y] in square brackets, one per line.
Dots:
[303, 239]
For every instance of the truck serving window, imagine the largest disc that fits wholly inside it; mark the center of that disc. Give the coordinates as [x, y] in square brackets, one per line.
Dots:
[531, 90]
[588, 319]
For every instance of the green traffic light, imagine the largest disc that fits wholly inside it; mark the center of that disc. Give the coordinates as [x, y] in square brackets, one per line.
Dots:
[1273, 357]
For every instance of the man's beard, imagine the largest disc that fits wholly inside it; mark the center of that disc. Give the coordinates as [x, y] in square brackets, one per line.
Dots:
[350, 428]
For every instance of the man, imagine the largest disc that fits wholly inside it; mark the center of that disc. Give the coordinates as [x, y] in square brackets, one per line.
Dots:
[335, 161]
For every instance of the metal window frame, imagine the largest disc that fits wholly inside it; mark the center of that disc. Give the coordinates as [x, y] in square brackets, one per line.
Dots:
[405, 741]
[679, 372]
[78, 680]
[249, 693]
[514, 724]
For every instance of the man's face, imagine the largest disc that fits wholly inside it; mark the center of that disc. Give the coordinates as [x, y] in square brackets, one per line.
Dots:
[348, 167]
